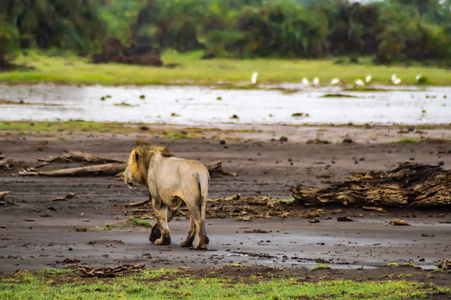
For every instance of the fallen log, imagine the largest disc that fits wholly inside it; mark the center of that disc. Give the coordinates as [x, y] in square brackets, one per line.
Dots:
[107, 170]
[77, 156]
[408, 185]
[97, 170]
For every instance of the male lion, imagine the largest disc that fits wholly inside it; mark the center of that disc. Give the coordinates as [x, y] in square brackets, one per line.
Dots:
[171, 181]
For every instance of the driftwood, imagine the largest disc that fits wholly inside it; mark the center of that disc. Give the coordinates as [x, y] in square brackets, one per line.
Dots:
[408, 185]
[109, 169]
[136, 204]
[2, 196]
[77, 156]
[216, 169]
[96, 170]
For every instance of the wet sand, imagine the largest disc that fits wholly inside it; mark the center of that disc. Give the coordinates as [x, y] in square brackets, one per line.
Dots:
[38, 233]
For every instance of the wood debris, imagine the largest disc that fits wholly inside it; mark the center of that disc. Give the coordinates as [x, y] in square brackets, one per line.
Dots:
[110, 271]
[77, 156]
[3, 201]
[136, 204]
[408, 185]
[65, 198]
[399, 222]
[96, 170]
[445, 264]
[101, 166]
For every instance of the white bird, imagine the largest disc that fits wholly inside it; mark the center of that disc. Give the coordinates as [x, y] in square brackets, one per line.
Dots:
[368, 78]
[254, 77]
[316, 81]
[305, 81]
[359, 82]
[393, 77]
[335, 81]
[418, 77]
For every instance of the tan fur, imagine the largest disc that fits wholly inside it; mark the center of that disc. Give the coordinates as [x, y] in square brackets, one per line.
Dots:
[171, 181]
[145, 153]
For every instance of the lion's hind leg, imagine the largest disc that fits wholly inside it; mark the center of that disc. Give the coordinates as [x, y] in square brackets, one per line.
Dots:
[155, 233]
[161, 215]
[191, 234]
[199, 226]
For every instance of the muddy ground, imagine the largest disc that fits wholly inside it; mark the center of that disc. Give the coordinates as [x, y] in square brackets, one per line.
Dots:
[255, 231]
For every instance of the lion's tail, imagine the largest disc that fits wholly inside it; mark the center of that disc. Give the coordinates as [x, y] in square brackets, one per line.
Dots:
[203, 181]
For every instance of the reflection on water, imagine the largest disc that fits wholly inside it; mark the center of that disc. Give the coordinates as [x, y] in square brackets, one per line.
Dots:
[206, 106]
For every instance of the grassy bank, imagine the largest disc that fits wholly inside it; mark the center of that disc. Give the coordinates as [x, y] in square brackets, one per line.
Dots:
[53, 128]
[190, 69]
[176, 284]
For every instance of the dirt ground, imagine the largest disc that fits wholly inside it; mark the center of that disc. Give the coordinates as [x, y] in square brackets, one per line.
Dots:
[254, 231]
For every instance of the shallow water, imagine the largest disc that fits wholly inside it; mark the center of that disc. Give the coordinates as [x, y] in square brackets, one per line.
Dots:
[208, 106]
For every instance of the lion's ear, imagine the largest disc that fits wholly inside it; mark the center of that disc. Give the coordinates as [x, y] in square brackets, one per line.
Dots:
[136, 156]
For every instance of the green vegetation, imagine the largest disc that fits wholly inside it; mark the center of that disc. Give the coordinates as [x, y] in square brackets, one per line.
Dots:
[388, 31]
[140, 222]
[176, 284]
[192, 70]
[406, 140]
[320, 266]
[67, 126]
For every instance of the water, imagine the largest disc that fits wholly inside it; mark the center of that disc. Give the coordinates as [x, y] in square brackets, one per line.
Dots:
[208, 106]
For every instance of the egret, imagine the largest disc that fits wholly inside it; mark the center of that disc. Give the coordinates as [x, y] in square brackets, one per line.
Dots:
[359, 82]
[418, 77]
[305, 81]
[254, 77]
[393, 77]
[316, 81]
[368, 78]
[335, 81]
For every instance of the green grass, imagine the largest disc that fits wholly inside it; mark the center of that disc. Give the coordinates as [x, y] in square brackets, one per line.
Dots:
[140, 222]
[173, 284]
[320, 266]
[192, 70]
[67, 126]
[24, 127]
[406, 140]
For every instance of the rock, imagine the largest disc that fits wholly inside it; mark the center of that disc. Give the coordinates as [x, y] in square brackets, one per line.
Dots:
[315, 220]
[345, 219]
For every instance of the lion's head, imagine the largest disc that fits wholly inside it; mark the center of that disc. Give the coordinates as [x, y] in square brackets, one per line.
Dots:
[139, 161]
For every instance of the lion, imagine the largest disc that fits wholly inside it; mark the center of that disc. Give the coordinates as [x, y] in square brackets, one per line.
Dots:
[171, 182]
